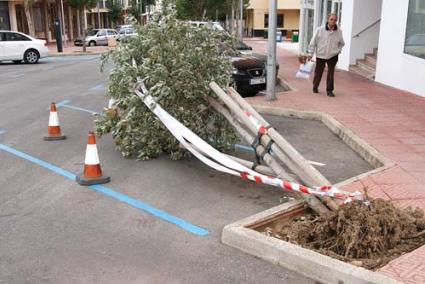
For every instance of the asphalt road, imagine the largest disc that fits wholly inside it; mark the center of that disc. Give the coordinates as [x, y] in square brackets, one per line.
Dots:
[54, 231]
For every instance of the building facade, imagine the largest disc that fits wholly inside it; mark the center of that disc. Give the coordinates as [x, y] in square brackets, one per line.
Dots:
[45, 12]
[385, 39]
[288, 17]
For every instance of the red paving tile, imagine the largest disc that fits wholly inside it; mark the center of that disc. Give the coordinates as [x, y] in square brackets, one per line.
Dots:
[404, 191]
[391, 120]
[409, 268]
[413, 141]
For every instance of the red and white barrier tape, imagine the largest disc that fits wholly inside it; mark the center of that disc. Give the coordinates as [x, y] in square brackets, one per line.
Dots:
[260, 128]
[220, 162]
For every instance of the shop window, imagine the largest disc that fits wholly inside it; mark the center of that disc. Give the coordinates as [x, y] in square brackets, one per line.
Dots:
[415, 36]
[279, 19]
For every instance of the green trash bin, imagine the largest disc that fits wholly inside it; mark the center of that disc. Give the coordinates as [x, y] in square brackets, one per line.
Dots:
[295, 37]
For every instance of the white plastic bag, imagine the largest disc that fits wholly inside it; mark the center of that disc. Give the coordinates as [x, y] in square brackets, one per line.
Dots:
[306, 70]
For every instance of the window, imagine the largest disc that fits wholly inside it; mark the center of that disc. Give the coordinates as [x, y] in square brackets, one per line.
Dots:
[279, 20]
[15, 37]
[415, 30]
[101, 33]
[110, 32]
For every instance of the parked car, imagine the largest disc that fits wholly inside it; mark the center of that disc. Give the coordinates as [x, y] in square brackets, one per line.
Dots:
[214, 25]
[249, 70]
[97, 37]
[125, 31]
[16, 46]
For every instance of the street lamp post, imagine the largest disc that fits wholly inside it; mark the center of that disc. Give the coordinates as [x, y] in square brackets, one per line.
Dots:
[271, 54]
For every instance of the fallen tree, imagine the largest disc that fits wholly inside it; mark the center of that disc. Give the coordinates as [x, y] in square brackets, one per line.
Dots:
[177, 62]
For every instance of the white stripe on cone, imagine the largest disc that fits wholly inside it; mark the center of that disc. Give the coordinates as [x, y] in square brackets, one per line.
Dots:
[92, 158]
[53, 119]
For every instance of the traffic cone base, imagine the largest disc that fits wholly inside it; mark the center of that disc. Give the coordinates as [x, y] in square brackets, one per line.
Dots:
[54, 137]
[83, 180]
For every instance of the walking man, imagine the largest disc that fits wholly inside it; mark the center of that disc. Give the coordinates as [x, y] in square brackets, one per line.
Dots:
[327, 43]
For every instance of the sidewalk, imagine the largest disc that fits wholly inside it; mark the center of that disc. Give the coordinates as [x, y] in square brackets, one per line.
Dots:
[391, 120]
[71, 49]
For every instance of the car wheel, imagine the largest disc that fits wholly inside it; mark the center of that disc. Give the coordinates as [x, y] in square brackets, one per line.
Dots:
[92, 43]
[31, 56]
[17, 61]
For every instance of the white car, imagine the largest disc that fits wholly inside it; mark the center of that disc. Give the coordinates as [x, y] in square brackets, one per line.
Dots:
[16, 46]
[214, 25]
[125, 31]
[97, 37]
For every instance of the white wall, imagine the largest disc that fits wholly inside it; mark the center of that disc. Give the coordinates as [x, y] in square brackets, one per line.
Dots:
[347, 33]
[366, 13]
[395, 68]
[356, 16]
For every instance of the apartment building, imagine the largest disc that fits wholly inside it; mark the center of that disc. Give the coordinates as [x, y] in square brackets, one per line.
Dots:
[288, 17]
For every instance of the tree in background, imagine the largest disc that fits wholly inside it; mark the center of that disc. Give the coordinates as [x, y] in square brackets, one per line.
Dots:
[116, 11]
[82, 5]
[206, 9]
[27, 6]
[136, 9]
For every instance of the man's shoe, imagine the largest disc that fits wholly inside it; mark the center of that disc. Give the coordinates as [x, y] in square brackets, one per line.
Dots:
[315, 90]
[331, 94]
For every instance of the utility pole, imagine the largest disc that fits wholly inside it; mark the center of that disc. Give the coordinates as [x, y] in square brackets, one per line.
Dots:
[271, 54]
[63, 25]
[241, 20]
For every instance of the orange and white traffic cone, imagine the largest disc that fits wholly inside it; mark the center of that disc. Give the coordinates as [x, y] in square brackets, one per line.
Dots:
[92, 172]
[54, 129]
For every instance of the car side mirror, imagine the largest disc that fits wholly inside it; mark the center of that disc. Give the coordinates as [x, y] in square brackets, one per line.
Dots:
[250, 48]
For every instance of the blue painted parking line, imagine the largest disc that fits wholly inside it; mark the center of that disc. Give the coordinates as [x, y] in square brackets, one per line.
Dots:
[65, 103]
[80, 109]
[111, 193]
[62, 103]
[97, 88]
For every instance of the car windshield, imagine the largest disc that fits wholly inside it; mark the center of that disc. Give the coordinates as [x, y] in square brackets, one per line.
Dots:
[92, 32]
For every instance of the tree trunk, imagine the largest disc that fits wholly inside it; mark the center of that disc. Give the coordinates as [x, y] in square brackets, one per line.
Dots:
[83, 32]
[237, 19]
[27, 7]
[232, 18]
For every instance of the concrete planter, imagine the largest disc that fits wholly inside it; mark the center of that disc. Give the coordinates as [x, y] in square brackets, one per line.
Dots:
[316, 266]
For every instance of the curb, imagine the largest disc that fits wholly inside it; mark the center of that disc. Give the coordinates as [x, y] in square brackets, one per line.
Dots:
[76, 54]
[304, 261]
